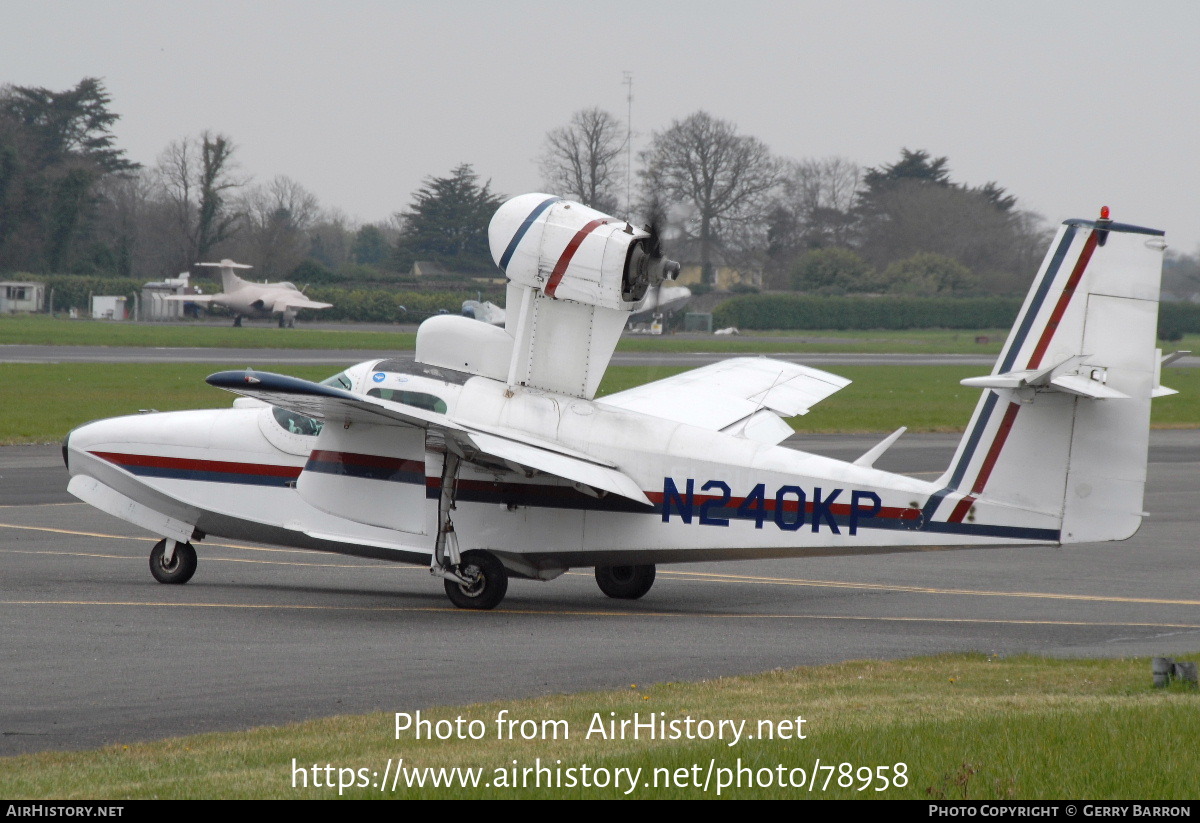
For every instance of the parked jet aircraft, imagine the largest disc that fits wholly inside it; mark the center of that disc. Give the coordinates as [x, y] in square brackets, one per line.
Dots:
[491, 458]
[247, 299]
[487, 311]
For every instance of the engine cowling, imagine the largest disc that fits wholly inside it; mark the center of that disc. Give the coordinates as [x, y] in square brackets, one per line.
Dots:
[569, 251]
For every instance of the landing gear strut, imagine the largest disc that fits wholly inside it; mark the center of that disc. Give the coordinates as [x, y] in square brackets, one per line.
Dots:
[475, 579]
[172, 561]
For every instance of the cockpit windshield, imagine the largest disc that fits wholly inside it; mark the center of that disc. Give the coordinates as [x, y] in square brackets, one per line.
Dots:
[303, 425]
[297, 423]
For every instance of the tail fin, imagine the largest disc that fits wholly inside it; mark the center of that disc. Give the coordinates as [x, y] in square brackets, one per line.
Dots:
[230, 282]
[1062, 428]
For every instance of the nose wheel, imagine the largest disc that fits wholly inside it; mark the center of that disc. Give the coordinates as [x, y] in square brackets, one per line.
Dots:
[172, 562]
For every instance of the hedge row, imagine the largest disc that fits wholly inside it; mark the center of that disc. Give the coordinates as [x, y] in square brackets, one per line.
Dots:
[367, 305]
[383, 306]
[758, 311]
[794, 311]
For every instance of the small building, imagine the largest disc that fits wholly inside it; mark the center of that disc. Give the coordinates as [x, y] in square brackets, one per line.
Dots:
[109, 308]
[154, 307]
[428, 268]
[15, 296]
[727, 277]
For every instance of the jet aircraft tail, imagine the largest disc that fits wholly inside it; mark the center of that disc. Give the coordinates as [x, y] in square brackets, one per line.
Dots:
[1062, 427]
[230, 282]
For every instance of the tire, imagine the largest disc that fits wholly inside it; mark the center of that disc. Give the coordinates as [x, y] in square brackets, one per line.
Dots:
[181, 568]
[489, 588]
[625, 582]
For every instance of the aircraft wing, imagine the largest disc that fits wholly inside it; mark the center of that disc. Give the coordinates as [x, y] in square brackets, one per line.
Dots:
[722, 394]
[192, 298]
[487, 447]
[285, 303]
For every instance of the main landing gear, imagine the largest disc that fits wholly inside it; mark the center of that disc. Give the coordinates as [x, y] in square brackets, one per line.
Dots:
[625, 582]
[487, 581]
[172, 561]
[474, 579]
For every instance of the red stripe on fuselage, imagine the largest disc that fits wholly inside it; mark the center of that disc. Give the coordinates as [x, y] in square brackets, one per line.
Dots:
[1060, 308]
[188, 464]
[564, 259]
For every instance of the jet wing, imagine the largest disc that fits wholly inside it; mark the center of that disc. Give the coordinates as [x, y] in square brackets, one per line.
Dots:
[298, 303]
[192, 298]
[492, 447]
[723, 394]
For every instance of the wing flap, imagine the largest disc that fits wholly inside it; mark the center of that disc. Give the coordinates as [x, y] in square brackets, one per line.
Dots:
[570, 468]
[721, 394]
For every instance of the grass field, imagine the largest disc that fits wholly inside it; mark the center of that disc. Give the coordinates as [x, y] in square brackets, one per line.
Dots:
[57, 331]
[42, 330]
[41, 403]
[949, 727]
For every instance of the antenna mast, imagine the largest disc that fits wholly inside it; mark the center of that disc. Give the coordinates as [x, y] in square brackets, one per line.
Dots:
[628, 83]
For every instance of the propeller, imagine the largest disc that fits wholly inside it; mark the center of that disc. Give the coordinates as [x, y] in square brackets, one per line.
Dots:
[648, 265]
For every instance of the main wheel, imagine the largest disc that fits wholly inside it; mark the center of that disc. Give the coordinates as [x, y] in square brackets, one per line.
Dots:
[625, 582]
[489, 582]
[179, 570]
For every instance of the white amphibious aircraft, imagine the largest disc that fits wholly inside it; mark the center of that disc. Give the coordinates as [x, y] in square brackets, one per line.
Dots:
[246, 299]
[490, 458]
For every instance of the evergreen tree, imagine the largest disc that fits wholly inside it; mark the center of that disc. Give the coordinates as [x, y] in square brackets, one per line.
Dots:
[447, 222]
[55, 150]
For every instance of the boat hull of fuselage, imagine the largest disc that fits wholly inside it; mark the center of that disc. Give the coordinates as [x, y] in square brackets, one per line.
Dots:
[216, 471]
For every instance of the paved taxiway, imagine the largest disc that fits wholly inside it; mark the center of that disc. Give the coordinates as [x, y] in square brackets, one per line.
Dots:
[94, 651]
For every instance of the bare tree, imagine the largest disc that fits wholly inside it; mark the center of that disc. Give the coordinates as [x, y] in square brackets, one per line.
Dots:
[812, 209]
[723, 178]
[821, 194]
[197, 179]
[580, 159]
[275, 219]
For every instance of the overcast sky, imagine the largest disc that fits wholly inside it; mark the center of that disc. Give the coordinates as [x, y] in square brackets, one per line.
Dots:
[1067, 105]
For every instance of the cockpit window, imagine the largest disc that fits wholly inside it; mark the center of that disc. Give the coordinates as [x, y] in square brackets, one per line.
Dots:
[297, 423]
[421, 400]
[338, 381]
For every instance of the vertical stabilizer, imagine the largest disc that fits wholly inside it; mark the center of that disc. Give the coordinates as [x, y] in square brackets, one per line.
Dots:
[1062, 427]
[230, 282]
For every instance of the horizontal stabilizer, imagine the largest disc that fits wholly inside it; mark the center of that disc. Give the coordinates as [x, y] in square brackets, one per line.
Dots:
[1072, 376]
[1159, 389]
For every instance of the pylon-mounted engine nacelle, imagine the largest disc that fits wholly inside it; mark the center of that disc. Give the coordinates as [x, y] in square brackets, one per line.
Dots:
[571, 252]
